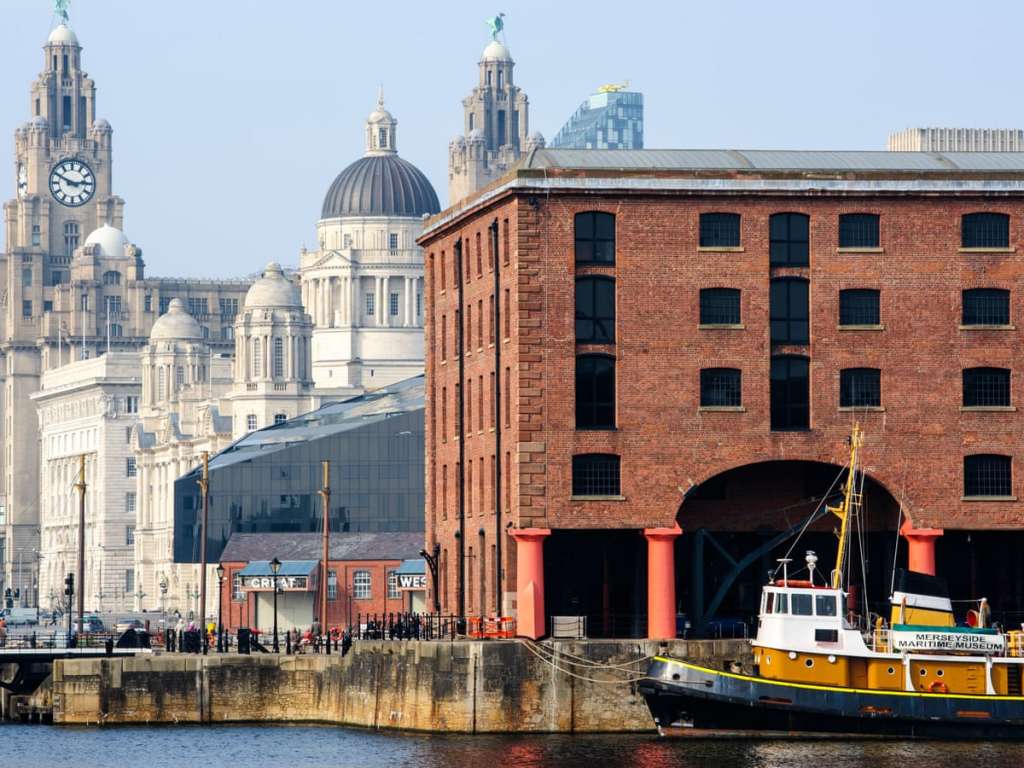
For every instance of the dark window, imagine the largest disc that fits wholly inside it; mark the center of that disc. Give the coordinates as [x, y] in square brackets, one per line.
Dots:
[802, 605]
[858, 230]
[720, 306]
[826, 635]
[986, 306]
[788, 311]
[860, 388]
[595, 310]
[987, 474]
[985, 230]
[720, 387]
[595, 237]
[595, 474]
[986, 387]
[788, 239]
[824, 605]
[595, 392]
[26, 308]
[859, 306]
[790, 393]
[719, 230]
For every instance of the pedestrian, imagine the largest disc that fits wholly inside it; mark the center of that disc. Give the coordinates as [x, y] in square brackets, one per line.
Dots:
[3, 632]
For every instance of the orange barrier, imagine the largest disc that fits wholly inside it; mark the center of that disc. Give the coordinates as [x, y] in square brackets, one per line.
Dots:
[490, 627]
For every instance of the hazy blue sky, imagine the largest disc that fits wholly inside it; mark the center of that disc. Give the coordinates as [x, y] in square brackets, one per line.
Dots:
[232, 118]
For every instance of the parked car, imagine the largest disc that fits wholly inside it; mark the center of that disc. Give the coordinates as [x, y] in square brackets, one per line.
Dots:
[91, 625]
[22, 617]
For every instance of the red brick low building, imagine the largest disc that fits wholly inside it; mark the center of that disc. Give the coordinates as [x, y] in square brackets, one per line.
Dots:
[362, 578]
[642, 368]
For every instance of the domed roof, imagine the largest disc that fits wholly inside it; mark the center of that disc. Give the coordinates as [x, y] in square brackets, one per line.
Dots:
[62, 35]
[496, 51]
[177, 323]
[111, 240]
[101, 125]
[273, 290]
[380, 185]
[38, 122]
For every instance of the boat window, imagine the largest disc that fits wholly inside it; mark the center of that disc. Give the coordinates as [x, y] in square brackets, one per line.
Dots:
[825, 605]
[769, 601]
[782, 603]
[801, 605]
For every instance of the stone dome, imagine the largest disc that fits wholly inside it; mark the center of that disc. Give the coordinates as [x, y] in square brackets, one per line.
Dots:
[62, 35]
[273, 291]
[111, 241]
[176, 323]
[101, 125]
[380, 185]
[38, 122]
[496, 51]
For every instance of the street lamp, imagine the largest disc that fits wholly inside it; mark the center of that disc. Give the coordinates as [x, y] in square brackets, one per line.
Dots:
[431, 560]
[275, 566]
[220, 607]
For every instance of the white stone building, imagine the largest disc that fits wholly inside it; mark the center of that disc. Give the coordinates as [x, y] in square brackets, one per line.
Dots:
[364, 286]
[89, 408]
[957, 140]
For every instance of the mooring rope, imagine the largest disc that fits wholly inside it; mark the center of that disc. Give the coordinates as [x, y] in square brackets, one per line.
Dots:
[625, 681]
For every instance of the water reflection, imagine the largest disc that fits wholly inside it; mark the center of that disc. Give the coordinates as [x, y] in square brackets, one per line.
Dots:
[305, 747]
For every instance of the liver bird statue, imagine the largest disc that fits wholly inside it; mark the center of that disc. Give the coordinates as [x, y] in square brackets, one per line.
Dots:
[496, 24]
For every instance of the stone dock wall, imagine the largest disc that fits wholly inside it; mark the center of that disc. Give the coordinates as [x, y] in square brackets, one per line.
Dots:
[461, 686]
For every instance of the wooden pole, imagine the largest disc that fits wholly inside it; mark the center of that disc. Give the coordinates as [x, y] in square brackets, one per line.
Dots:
[204, 486]
[80, 486]
[325, 495]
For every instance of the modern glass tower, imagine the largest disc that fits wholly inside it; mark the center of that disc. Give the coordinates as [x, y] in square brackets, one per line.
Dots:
[609, 119]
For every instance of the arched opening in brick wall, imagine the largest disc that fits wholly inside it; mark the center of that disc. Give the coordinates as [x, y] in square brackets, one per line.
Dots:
[738, 523]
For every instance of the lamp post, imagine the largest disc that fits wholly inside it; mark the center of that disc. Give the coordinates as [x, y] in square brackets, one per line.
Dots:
[220, 607]
[275, 566]
[431, 560]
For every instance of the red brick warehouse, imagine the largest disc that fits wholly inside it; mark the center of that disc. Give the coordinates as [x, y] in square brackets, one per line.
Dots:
[643, 366]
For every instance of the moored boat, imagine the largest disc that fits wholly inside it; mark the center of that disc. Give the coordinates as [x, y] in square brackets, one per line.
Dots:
[820, 669]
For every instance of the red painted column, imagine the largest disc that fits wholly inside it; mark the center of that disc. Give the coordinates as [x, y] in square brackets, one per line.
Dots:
[661, 582]
[530, 619]
[920, 547]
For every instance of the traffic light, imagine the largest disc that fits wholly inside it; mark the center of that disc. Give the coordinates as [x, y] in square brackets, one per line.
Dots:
[8, 598]
[69, 584]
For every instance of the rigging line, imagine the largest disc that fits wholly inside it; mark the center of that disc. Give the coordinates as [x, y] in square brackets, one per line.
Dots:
[570, 673]
[584, 662]
[807, 522]
[899, 524]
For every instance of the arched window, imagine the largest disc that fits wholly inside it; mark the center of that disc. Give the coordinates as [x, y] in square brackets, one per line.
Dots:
[278, 357]
[986, 387]
[988, 474]
[595, 310]
[595, 392]
[788, 311]
[361, 585]
[720, 388]
[858, 230]
[70, 238]
[986, 306]
[788, 236]
[790, 393]
[860, 388]
[595, 237]
[719, 230]
[257, 357]
[111, 278]
[985, 230]
[596, 474]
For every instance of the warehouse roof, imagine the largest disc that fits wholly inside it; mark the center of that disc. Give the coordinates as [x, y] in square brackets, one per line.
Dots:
[262, 547]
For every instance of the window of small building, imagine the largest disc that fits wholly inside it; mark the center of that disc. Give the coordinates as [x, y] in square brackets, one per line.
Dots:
[393, 593]
[824, 605]
[985, 230]
[788, 239]
[719, 306]
[802, 605]
[719, 230]
[720, 387]
[860, 388]
[595, 474]
[332, 585]
[594, 237]
[859, 306]
[361, 585]
[988, 474]
[237, 593]
[858, 230]
[788, 311]
[595, 392]
[986, 387]
[986, 306]
[790, 393]
[595, 310]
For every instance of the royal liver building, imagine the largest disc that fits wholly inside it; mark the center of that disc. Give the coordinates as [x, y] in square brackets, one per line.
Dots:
[73, 285]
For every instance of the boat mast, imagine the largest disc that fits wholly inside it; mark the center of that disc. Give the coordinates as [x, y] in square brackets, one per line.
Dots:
[850, 499]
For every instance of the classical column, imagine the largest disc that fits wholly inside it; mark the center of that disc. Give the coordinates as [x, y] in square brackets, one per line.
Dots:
[920, 547]
[530, 621]
[353, 318]
[661, 582]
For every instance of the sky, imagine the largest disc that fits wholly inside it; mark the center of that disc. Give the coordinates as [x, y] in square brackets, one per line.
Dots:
[231, 119]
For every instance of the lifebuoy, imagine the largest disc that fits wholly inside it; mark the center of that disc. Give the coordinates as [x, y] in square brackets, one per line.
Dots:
[938, 686]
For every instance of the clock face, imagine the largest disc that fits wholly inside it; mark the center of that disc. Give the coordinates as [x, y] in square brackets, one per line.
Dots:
[72, 183]
[22, 180]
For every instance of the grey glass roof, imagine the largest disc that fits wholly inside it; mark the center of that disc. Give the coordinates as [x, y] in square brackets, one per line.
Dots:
[773, 160]
[333, 418]
[380, 185]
